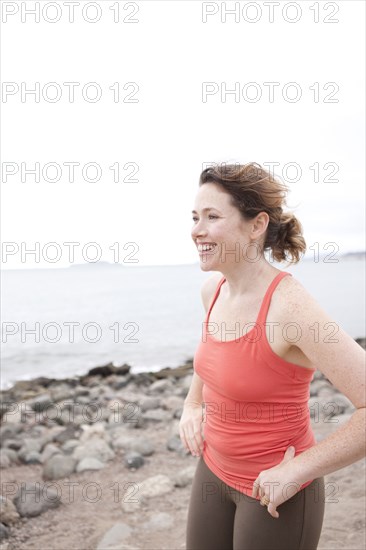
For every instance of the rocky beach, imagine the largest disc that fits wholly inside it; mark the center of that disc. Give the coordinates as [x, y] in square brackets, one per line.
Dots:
[96, 462]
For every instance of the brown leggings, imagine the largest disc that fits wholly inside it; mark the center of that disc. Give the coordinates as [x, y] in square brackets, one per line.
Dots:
[222, 518]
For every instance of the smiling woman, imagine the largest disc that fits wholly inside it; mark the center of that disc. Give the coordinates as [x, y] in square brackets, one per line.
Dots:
[255, 438]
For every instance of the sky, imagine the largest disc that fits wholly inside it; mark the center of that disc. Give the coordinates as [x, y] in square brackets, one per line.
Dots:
[152, 107]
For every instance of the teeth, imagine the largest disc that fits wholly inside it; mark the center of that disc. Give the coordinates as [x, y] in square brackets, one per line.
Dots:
[205, 247]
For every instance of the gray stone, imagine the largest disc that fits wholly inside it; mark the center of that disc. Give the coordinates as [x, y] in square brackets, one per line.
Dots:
[158, 522]
[4, 459]
[33, 498]
[157, 415]
[155, 486]
[69, 446]
[49, 450]
[28, 446]
[11, 454]
[134, 460]
[89, 463]
[71, 432]
[160, 386]
[114, 536]
[4, 532]
[32, 457]
[41, 402]
[174, 443]
[14, 444]
[9, 431]
[8, 512]
[149, 402]
[184, 477]
[121, 382]
[317, 385]
[62, 392]
[94, 447]
[141, 445]
[58, 466]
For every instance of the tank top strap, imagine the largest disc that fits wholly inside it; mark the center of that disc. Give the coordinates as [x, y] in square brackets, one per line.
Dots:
[268, 295]
[214, 298]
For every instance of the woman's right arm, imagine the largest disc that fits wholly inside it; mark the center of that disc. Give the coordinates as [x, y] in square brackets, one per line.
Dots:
[207, 291]
[193, 414]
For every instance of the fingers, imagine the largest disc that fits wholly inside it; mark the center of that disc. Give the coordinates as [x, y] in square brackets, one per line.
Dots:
[289, 454]
[192, 439]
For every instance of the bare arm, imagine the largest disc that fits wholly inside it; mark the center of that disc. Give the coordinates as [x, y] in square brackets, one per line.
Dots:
[195, 391]
[342, 361]
[207, 291]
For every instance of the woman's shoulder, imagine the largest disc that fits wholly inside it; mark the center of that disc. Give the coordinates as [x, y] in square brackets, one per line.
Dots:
[290, 296]
[209, 287]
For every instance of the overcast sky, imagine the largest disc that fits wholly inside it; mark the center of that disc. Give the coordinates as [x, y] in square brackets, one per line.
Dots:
[162, 114]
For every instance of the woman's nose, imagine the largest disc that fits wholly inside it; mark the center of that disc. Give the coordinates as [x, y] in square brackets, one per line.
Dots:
[197, 230]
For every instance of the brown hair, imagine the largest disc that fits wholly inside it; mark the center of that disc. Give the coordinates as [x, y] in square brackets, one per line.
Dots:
[253, 190]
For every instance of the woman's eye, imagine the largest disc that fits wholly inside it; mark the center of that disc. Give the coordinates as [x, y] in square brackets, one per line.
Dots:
[210, 216]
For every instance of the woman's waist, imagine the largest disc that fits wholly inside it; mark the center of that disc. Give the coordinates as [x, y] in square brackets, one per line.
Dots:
[251, 412]
[249, 442]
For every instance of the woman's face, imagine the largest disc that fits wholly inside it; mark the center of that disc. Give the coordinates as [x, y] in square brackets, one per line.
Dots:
[218, 223]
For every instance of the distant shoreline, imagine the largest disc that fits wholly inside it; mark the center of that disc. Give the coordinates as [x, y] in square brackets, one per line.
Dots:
[356, 255]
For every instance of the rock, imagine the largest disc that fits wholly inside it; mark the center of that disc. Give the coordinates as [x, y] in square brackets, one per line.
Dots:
[11, 454]
[155, 486]
[149, 402]
[121, 382]
[108, 369]
[160, 386]
[174, 443]
[141, 445]
[318, 375]
[62, 392]
[114, 536]
[69, 446]
[14, 444]
[9, 431]
[94, 430]
[317, 385]
[134, 460]
[185, 477]
[177, 372]
[131, 506]
[13, 417]
[172, 403]
[43, 381]
[89, 463]
[156, 415]
[32, 499]
[4, 460]
[4, 532]
[8, 512]
[28, 446]
[342, 404]
[158, 522]
[49, 450]
[342, 418]
[40, 403]
[32, 457]
[361, 342]
[71, 432]
[94, 447]
[58, 466]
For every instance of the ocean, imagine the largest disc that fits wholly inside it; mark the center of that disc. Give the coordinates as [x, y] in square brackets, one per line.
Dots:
[62, 322]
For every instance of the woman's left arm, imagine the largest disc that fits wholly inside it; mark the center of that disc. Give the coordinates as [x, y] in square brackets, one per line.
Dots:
[342, 360]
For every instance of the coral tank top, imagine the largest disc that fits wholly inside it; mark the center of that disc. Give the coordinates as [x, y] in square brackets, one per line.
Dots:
[256, 403]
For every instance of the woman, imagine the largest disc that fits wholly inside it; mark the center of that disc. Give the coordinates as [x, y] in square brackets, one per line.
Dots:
[259, 482]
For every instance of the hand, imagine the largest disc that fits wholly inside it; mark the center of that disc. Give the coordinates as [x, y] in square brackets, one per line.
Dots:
[190, 428]
[277, 483]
